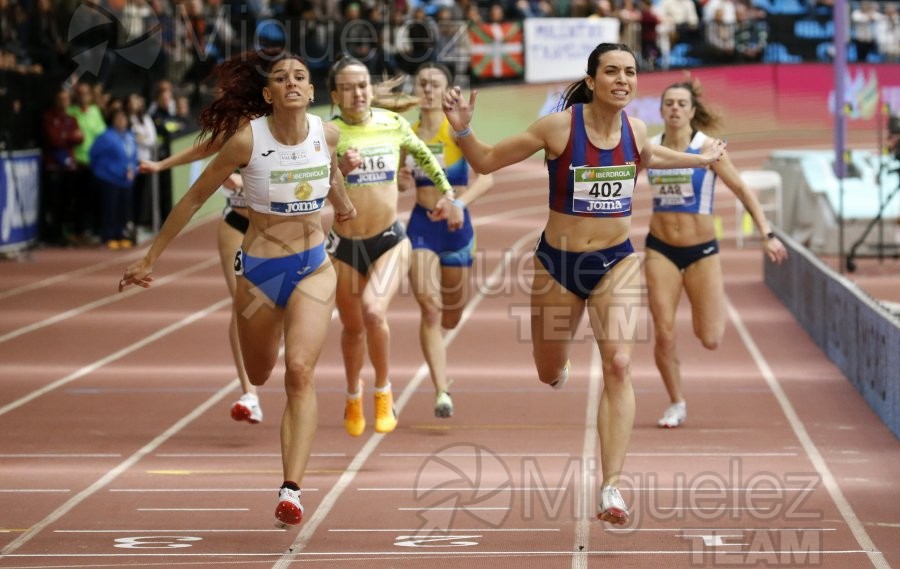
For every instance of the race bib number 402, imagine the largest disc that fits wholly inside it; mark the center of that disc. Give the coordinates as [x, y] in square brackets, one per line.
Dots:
[603, 190]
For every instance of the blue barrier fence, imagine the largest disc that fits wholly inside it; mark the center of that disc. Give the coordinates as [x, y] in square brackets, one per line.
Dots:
[857, 333]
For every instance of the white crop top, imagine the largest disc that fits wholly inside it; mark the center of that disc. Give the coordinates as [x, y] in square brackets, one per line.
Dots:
[287, 180]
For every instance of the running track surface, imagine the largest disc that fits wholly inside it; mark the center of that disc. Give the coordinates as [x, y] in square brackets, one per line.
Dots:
[118, 450]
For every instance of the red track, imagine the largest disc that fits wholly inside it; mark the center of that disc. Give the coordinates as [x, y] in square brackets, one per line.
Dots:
[118, 449]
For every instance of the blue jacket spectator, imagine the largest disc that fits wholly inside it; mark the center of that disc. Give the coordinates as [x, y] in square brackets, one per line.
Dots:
[114, 161]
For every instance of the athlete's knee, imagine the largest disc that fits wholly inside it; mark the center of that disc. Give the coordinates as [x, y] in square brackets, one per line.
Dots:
[617, 367]
[374, 316]
[664, 341]
[298, 377]
[431, 312]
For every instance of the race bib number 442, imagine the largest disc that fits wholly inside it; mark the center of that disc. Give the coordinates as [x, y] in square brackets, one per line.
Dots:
[603, 190]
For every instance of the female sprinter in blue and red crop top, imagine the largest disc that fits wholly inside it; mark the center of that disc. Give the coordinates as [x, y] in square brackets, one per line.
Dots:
[593, 151]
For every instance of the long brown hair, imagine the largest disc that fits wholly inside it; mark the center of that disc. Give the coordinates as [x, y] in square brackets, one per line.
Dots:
[240, 82]
[705, 118]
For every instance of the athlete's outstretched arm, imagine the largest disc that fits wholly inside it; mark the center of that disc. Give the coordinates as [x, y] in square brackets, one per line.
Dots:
[483, 157]
[233, 154]
[725, 169]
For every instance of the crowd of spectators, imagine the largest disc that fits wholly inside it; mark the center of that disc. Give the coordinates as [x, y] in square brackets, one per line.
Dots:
[163, 51]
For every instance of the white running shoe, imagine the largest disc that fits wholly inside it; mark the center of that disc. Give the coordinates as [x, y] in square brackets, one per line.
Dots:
[560, 381]
[612, 507]
[247, 409]
[674, 415]
[443, 405]
[289, 511]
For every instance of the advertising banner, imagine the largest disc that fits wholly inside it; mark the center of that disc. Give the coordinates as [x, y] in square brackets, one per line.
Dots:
[557, 49]
[19, 198]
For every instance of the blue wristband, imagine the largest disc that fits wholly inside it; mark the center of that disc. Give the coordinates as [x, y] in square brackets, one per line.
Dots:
[464, 132]
[459, 203]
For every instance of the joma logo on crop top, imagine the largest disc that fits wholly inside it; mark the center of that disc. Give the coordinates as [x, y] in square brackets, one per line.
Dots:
[297, 207]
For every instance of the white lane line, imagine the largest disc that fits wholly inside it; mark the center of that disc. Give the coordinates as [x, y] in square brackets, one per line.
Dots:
[454, 530]
[103, 301]
[59, 455]
[717, 530]
[328, 502]
[241, 455]
[348, 555]
[856, 527]
[174, 327]
[140, 454]
[192, 509]
[113, 261]
[589, 464]
[454, 509]
[712, 454]
[111, 475]
[33, 490]
[472, 454]
[167, 530]
[569, 455]
[493, 490]
[165, 490]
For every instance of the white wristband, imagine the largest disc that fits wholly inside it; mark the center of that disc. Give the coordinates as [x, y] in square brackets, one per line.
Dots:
[464, 132]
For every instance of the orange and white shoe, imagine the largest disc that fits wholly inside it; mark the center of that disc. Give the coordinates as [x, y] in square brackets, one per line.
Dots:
[354, 420]
[385, 416]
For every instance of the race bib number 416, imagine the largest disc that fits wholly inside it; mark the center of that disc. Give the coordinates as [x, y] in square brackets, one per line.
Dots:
[603, 190]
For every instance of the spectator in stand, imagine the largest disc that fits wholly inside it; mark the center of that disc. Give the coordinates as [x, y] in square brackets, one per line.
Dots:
[496, 14]
[169, 126]
[532, 9]
[750, 36]
[720, 45]
[451, 45]
[46, 43]
[113, 159]
[680, 19]
[61, 136]
[722, 11]
[887, 34]
[649, 37]
[87, 202]
[865, 21]
[630, 25]
[184, 114]
[144, 131]
[165, 94]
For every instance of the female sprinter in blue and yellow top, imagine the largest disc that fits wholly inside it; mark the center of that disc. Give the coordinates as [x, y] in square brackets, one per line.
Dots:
[584, 259]
[371, 253]
[440, 257]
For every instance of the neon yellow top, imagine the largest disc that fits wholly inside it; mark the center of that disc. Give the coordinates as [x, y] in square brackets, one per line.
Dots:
[379, 141]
